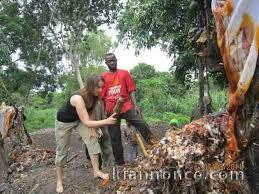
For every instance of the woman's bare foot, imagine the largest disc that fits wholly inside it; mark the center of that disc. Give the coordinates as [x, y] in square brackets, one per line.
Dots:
[59, 188]
[100, 174]
[103, 176]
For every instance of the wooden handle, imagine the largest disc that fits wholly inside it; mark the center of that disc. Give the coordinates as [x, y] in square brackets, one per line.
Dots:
[141, 144]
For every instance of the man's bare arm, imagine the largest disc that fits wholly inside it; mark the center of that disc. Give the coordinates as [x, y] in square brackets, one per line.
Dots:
[133, 100]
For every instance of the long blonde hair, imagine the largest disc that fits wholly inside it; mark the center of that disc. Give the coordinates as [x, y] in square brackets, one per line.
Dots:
[87, 92]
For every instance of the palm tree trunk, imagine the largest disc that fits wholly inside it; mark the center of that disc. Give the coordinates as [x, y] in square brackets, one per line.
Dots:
[3, 160]
[201, 84]
[247, 131]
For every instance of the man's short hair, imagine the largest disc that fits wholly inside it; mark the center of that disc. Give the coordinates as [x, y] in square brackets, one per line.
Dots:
[109, 55]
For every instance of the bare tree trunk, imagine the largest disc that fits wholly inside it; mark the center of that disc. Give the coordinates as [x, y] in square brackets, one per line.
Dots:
[78, 75]
[73, 57]
[75, 64]
[246, 113]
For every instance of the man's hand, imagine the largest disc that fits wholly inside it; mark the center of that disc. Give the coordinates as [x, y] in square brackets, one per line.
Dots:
[134, 102]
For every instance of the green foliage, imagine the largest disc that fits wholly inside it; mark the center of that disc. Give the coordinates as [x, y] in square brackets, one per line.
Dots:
[37, 118]
[148, 23]
[176, 28]
[219, 99]
[37, 101]
[59, 99]
[94, 47]
[39, 113]
[184, 65]
[39, 33]
[21, 33]
[160, 93]
[154, 22]
[220, 79]
[181, 108]
[152, 120]
[162, 98]
[143, 71]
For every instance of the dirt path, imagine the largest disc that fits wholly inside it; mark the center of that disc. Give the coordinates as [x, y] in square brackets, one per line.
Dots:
[40, 179]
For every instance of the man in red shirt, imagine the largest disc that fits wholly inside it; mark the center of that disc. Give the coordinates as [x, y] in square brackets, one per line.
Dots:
[119, 84]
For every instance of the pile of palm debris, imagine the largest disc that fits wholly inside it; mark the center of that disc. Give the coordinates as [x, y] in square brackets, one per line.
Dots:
[26, 157]
[188, 160]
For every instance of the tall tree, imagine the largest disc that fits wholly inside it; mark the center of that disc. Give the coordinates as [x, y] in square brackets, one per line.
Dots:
[184, 29]
[35, 35]
[152, 22]
[72, 22]
[22, 69]
[143, 71]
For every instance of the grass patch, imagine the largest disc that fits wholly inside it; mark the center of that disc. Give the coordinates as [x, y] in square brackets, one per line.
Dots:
[39, 118]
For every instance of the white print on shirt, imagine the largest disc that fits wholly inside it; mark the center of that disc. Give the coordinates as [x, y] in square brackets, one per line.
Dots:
[114, 90]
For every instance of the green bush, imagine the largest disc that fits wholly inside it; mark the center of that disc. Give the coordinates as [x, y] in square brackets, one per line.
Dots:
[219, 99]
[189, 101]
[152, 120]
[39, 118]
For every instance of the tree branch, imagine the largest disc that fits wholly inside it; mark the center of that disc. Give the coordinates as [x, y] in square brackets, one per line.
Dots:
[12, 62]
[57, 39]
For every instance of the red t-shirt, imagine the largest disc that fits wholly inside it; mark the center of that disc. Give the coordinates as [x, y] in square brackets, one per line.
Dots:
[117, 84]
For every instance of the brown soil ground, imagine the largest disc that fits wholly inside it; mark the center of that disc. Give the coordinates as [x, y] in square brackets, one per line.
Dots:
[41, 179]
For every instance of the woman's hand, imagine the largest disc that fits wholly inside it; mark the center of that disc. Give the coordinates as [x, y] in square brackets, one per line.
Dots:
[111, 120]
[92, 133]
